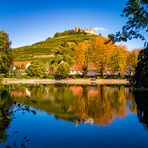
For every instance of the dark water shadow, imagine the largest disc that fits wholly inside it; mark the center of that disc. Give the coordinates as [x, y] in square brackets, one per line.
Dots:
[141, 99]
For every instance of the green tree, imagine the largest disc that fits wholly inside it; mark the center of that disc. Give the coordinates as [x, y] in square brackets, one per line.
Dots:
[63, 70]
[37, 69]
[136, 13]
[141, 75]
[6, 58]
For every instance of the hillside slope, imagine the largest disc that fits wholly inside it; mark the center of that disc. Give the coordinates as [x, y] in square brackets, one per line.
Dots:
[52, 50]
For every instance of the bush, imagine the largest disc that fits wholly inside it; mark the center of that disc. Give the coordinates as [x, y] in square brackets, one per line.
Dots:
[37, 70]
[49, 77]
[8, 75]
[63, 70]
[66, 32]
[112, 77]
[26, 77]
[1, 78]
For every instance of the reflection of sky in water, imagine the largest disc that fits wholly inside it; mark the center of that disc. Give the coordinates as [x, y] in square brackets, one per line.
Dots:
[45, 130]
[77, 116]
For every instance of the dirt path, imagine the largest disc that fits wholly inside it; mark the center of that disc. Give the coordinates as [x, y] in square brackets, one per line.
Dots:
[64, 81]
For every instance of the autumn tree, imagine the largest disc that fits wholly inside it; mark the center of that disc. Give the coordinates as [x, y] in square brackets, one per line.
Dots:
[101, 54]
[82, 56]
[119, 59]
[6, 58]
[132, 60]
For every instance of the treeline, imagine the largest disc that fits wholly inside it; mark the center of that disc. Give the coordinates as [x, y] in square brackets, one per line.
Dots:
[67, 32]
[106, 57]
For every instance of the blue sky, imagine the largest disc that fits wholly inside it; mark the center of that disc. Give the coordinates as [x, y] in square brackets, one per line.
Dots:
[30, 21]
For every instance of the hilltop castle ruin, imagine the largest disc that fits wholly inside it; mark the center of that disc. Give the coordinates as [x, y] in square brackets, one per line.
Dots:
[89, 31]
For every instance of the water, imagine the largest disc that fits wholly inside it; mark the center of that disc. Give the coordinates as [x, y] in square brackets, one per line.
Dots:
[42, 116]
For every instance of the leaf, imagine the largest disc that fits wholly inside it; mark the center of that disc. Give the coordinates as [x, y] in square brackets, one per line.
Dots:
[34, 112]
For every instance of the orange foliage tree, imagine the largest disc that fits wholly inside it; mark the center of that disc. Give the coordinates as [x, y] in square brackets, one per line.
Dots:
[119, 59]
[102, 52]
[82, 56]
[132, 60]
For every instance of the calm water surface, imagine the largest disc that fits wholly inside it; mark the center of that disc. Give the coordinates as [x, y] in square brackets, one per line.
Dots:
[44, 116]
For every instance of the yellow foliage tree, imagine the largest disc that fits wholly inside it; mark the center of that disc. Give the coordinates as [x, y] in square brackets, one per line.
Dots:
[119, 59]
[82, 56]
[132, 60]
[102, 52]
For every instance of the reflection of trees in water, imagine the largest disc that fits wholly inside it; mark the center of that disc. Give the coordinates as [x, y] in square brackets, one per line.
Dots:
[141, 99]
[8, 107]
[90, 104]
[104, 105]
[5, 104]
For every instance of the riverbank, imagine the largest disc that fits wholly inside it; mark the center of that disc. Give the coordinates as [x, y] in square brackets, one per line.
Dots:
[64, 81]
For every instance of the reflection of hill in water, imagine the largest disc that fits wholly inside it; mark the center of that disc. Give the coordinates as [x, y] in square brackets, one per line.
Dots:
[87, 104]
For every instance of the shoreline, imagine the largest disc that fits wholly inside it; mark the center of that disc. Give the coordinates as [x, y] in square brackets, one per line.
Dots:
[87, 81]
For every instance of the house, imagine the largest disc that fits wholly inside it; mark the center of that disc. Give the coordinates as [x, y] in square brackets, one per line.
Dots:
[75, 70]
[92, 70]
[21, 65]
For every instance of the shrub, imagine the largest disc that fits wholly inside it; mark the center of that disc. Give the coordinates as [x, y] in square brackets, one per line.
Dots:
[8, 75]
[1, 78]
[49, 77]
[63, 70]
[36, 70]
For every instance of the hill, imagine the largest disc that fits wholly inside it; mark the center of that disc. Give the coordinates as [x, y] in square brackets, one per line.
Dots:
[77, 48]
[53, 50]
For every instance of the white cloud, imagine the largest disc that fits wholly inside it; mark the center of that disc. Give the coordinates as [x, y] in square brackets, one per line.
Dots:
[100, 29]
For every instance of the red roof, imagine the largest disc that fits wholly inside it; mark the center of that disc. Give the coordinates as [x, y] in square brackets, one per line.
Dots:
[20, 64]
[75, 68]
